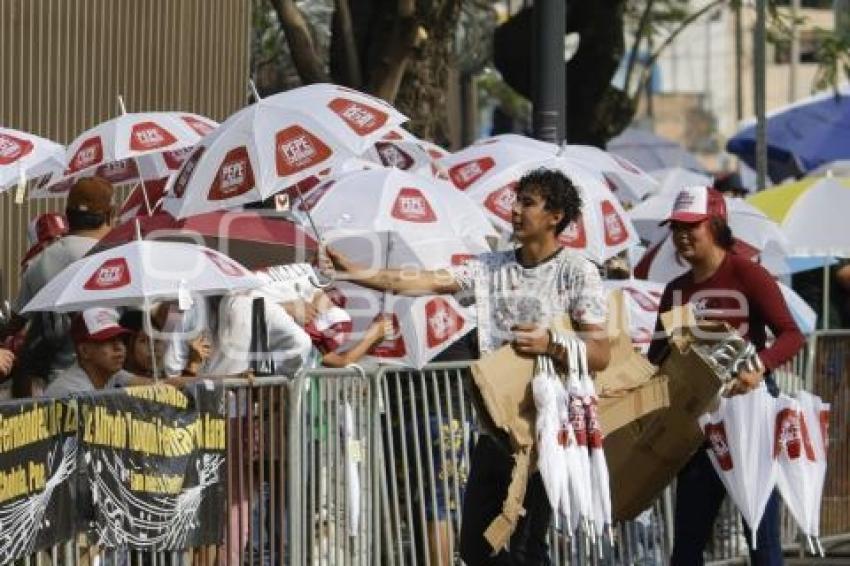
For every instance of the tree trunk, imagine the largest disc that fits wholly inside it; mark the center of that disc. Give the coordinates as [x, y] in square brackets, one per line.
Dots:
[300, 40]
[422, 95]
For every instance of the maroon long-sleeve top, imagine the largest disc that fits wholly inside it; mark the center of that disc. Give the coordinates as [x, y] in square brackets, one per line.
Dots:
[743, 294]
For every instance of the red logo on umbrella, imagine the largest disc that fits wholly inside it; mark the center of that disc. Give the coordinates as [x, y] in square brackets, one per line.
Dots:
[792, 435]
[201, 128]
[461, 259]
[615, 229]
[594, 431]
[235, 176]
[186, 171]
[412, 206]
[466, 173]
[443, 321]
[393, 156]
[61, 187]
[361, 118]
[174, 159]
[574, 235]
[578, 419]
[225, 264]
[716, 434]
[114, 273]
[393, 345]
[89, 153]
[298, 149]
[118, 171]
[149, 135]
[13, 148]
[501, 201]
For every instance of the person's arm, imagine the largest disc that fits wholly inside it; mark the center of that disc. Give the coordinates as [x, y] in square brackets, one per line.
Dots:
[7, 360]
[373, 335]
[764, 293]
[404, 282]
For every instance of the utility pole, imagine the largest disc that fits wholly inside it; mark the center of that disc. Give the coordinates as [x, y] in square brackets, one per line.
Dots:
[759, 91]
[739, 64]
[795, 51]
[548, 71]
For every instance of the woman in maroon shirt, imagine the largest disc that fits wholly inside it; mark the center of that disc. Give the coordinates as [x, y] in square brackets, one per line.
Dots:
[722, 286]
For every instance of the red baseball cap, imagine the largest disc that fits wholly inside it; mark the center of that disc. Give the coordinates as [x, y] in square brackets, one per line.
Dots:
[96, 325]
[42, 230]
[695, 204]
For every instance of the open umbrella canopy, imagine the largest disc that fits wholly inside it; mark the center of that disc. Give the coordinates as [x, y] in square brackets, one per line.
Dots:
[650, 151]
[24, 156]
[624, 178]
[674, 179]
[139, 272]
[251, 238]
[276, 143]
[811, 213]
[800, 136]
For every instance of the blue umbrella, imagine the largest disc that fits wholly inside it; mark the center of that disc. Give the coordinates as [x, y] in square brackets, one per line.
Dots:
[801, 136]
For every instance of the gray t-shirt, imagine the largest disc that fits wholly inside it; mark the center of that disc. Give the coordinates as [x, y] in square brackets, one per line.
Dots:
[46, 266]
[75, 380]
[506, 293]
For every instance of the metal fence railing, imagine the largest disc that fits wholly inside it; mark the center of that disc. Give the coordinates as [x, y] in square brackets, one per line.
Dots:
[344, 467]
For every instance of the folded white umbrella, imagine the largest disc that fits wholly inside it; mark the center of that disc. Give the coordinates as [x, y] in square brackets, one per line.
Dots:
[798, 464]
[741, 438]
[547, 424]
[140, 272]
[578, 458]
[352, 470]
[24, 156]
[817, 413]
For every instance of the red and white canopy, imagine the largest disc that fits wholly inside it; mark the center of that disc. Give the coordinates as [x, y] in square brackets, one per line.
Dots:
[25, 156]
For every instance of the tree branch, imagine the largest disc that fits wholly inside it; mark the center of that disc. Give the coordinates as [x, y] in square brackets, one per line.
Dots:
[351, 58]
[639, 33]
[392, 63]
[301, 46]
[646, 74]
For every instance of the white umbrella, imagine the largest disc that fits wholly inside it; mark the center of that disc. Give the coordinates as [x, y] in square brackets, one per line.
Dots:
[134, 134]
[547, 424]
[816, 412]
[24, 156]
[642, 298]
[798, 464]
[741, 437]
[140, 272]
[628, 182]
[580, 485]
[274, 144]
[399, 219]
[673, 179]
[402, 150]
[422, 326]
[747, 222]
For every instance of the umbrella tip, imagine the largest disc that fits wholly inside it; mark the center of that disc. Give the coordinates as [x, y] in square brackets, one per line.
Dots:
[253, 87]
[121, 105]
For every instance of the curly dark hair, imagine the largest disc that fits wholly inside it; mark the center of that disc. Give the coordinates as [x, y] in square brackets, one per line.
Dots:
[558, 192]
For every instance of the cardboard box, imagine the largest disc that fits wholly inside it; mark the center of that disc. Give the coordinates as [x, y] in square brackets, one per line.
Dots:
[645, 455]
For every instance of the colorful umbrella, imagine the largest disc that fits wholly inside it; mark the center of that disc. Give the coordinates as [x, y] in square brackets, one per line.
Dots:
[740, 434]
[811, 213]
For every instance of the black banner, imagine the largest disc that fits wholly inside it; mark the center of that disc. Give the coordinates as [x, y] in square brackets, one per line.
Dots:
[38, 460]
[152, 467]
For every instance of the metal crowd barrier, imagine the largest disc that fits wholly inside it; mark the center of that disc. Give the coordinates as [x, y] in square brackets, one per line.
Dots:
[341, 467]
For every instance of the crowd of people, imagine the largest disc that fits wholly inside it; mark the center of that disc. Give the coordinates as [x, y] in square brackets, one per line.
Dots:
[307, 326]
